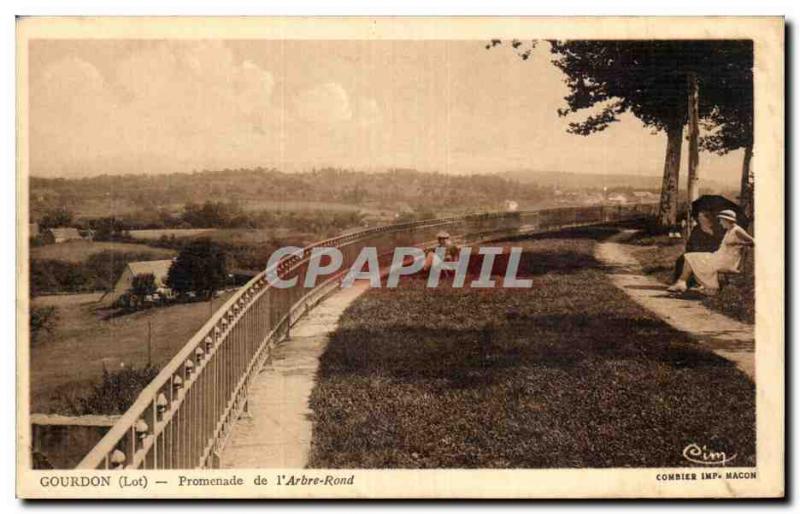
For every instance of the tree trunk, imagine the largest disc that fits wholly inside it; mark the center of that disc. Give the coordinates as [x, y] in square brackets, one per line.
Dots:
[668, 208]
[693, 183]
[746, 190]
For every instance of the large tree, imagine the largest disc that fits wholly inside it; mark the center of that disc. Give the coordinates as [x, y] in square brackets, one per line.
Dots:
[200, 268]
[730, 123]
[648, 78]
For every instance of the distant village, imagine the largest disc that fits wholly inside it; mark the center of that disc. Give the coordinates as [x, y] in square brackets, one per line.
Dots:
[588, 197]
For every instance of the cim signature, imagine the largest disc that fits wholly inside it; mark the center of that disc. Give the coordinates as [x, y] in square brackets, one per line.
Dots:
[702, 455]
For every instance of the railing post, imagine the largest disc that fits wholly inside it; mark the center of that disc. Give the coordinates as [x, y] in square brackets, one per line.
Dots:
[149, 419]
[163, 441]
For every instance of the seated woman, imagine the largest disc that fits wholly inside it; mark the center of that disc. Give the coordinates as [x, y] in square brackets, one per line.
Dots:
[705, 237]
[705, 266]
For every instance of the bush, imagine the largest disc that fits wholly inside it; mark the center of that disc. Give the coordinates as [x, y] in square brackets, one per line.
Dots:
[60, 217]
[42, 321]
[51, 275]
[116, 391]
[142, 286]
[109, 229]
[99, 273]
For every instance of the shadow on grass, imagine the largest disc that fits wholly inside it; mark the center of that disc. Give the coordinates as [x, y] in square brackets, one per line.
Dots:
[525, 341]
[521, 395]
[596, 233]
[568, 373]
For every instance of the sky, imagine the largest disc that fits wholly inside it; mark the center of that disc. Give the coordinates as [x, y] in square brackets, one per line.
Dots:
[161, 106]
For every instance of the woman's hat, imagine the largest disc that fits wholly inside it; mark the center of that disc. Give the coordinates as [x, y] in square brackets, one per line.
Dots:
[442, 235]
[727, 214]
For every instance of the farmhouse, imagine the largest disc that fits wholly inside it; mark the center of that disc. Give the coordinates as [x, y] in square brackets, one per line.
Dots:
[159, 270]
[61, 235]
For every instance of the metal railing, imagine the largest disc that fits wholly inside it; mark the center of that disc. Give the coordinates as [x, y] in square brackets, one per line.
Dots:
[183, 417]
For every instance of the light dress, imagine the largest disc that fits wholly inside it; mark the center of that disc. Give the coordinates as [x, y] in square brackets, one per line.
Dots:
[706, 265]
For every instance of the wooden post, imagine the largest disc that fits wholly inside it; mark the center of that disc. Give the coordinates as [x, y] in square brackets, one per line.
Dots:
[693, 185]
[746, 186]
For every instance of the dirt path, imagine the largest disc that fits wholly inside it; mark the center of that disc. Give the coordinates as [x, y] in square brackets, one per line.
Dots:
[276, 430]
[728, 338]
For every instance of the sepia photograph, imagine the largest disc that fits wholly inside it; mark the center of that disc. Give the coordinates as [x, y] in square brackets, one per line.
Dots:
[400, 257]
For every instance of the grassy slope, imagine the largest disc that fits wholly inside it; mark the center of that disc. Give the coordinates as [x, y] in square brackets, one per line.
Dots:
[79, 251]
[574, 375]
[65, 364]
[657, 255]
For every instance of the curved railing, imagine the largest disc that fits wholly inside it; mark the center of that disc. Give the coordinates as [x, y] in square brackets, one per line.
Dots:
[183, 417]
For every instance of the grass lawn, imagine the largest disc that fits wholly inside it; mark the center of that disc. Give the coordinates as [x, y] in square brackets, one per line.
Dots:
[568, 373]
[79, 251]
[65, 364]
[657, 255]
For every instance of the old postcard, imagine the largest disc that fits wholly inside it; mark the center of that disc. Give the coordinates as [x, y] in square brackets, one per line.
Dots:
[400, 257]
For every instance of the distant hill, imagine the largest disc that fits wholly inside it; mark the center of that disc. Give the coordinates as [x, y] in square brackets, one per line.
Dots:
[143, 199]
[565, 180]
[391, 191]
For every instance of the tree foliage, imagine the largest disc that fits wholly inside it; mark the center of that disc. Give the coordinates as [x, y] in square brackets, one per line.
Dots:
[58, 217]
[42, 321]
[200, 267]
[143, 285]
[649, 78]
[116, 391]
[730, 122]
[99, 272]
[110, 228]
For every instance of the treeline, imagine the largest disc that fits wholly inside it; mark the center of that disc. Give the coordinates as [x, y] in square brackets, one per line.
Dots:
[98, 272]
[213, 214]
[250, 256]
[156, 195]
[210, 214]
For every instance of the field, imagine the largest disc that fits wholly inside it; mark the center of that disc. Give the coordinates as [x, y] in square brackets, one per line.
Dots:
[569, 373]
[157, 233]
[64, 365]
[79, 251]
[301, 205]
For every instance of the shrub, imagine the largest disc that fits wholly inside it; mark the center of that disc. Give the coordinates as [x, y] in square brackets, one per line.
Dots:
[42, 321]
[116, 391]
[60, 217]
[50, 275]
[99, 273]
[142, 285]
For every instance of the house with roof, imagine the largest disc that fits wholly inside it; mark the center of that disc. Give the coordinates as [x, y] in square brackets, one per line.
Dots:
[159, 270]
[61, 235]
